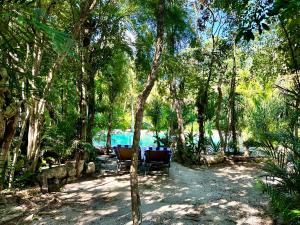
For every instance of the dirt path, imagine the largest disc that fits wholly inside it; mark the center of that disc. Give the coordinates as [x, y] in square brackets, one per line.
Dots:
[207, 196]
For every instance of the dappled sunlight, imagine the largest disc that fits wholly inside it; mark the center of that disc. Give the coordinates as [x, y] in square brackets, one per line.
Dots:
[204, 196]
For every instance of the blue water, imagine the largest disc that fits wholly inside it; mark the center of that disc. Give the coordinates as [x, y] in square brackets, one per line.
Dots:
[125, 138]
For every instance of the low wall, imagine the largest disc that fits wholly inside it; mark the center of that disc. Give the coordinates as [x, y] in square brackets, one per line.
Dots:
[58, 174]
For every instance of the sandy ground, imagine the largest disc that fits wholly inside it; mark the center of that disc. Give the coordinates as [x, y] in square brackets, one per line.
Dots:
[220, 195]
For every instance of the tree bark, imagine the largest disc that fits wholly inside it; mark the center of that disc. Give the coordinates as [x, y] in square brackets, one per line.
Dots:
[132, 113]
[135, 197]
[218, 114]
[91, 107]
[202, 98]
[180, 125]
[201, 104]
[177, 101]
[17, 150]
[5, 145]
[108, 139]
[82, 98]
[232, 105]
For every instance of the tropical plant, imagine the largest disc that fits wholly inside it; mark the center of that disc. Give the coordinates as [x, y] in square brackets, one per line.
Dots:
[284, 168]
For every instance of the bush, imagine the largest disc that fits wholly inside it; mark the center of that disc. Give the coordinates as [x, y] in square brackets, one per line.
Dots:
[284, 168]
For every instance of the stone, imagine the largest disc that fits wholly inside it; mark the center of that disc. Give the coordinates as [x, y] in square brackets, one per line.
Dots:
[60, 173]
[213, 159]
[90, 169]
[71, 170]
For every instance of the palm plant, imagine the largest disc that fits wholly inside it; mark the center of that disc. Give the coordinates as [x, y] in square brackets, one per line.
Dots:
[284, 168]
[213, 146]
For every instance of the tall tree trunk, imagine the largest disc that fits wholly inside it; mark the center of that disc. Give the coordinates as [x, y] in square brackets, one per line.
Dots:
[17, 149]
[8, 120]
[6, 142]
[180, 125]
[201, 105]
[132, 113]
[91, 107]
[135, 197]
[233, 119]
[202, 98]
[177, 102]
[82, 99]
[108, 139]
[34, 120]
[36, 117]
[218, 114]
[64, 97]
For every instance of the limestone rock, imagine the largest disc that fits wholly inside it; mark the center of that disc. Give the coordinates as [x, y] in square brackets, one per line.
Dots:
[90, 168]
[213, 159]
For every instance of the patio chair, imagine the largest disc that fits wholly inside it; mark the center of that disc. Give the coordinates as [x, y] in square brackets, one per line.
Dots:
[157, 160]
[124, 156]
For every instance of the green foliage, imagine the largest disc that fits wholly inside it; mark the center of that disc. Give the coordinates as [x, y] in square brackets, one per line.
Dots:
[283, 167]
[155, 113]
[164, 141]
[59, 137]
[213, 146]
[190, 148]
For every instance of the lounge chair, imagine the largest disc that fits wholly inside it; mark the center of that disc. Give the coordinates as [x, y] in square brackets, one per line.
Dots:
[157, 160]
[124, 156]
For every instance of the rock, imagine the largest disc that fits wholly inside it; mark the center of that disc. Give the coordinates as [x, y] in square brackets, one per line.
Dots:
[81, 164]
[90, 168]
[213, 159]
[29, 218]
[59, 174]
[71, 170]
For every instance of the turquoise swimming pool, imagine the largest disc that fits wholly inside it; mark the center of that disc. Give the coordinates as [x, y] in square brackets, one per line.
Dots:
[125, 138]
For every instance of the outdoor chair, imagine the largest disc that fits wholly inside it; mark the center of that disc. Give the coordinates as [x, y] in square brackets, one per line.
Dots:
[157, 160]
[124, 156]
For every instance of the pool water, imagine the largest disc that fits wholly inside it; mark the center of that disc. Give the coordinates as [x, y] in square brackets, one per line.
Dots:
[125, 138]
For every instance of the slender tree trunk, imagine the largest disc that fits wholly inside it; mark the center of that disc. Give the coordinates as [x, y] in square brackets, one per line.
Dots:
[296, 126]
[132, 113]
[135, 197]
[17, 150]
[82, 99]
[36, 118]
[177, 106]
[218, 114]
[5, 145]
[91, 107]
[202, 99]
[177, 101]
[108, 139]
[64, 97]
[233, 119]
[201, 121]
[157, 137]
[8, 120]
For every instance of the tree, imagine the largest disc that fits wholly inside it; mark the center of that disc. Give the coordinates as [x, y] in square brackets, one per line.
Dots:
[115, 78]
[36, 112]
[135, 198]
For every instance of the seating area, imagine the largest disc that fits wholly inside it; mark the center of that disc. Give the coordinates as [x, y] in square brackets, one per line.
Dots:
[150, 159]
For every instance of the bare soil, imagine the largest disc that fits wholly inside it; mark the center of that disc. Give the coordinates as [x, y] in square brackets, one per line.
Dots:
[210, 196]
